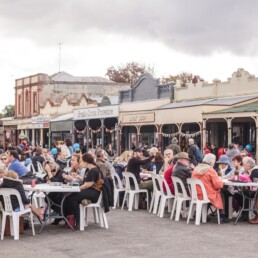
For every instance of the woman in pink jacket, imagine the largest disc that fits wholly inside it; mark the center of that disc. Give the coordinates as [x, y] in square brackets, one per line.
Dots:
[212, 183]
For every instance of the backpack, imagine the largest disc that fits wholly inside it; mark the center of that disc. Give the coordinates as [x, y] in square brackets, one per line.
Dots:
[198, 154]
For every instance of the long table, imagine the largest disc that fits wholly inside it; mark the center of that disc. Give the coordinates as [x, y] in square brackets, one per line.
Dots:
[241, 188]
[48, 188]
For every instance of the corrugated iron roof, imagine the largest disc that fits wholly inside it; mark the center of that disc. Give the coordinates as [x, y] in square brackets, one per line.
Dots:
[250, 107]
[215, 102]
[66, 77]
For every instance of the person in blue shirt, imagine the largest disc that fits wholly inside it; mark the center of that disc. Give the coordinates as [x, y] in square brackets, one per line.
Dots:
[15, 164]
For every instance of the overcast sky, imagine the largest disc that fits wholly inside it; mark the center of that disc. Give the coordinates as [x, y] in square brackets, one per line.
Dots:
[210, 38]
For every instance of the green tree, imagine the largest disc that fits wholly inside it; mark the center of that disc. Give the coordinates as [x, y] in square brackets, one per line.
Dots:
[128, 73]
[8, 111]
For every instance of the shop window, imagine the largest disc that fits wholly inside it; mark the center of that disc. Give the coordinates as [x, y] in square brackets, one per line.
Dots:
[35, 102]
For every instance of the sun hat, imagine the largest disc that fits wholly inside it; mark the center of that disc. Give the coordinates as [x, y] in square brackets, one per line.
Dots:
[182, 155]
[223, 160]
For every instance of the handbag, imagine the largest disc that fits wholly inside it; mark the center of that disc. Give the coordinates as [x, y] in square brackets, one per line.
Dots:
[26, 179]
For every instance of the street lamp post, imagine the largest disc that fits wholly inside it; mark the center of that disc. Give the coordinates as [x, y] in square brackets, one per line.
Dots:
[117, 129]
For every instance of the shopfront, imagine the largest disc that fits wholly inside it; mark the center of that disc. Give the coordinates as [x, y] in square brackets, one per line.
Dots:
[96, 126]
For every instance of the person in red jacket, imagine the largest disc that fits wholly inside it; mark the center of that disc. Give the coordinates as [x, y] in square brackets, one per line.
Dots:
[167, 176]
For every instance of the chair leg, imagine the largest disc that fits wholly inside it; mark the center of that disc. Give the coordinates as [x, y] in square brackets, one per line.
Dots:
[147, 197]
[96, 215]
[100, 214]
[16, 226]
[173, 208]
[152, 201]
[124, 201]
[116, 194]
[136, 201]
[198, 213]
[156, 204]
[82, 217]
[3, 226]
[170, 204]
[204, 213]
[32, 224]
[190, 212]
[131, 197]
[230, 207]
[162, 207]
[104, 219]
[178, 209]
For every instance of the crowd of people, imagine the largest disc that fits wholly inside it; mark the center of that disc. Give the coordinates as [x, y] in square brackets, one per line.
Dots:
[66, 163]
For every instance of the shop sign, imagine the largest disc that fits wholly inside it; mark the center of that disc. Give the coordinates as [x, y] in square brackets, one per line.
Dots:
[100, 112]
[138, 118]
[40, 119]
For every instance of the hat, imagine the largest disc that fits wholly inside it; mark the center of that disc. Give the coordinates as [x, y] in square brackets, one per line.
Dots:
[182, 155]
[174, 140]
[137, 150]
[223, 160]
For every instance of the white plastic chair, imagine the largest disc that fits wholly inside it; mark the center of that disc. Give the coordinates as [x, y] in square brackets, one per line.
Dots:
[118, 188]
[156, 194]
[180, 198]
[14, 216]
[133, 194]
[99, 214]
[201, 205]
[165, 196]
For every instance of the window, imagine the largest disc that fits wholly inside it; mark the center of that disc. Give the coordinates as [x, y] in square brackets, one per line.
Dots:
[19, 104]
[35, 102]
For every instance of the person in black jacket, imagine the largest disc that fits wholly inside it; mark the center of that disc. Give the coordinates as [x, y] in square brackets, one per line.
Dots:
[133, 166]
[182, 169]
[11, 181]
[55, 174]
[90, 189]
[37, 158]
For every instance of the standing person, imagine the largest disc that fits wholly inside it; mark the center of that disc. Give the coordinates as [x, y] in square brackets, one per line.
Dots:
[90, 189]
[134, 165]
[110, 151]
[231, 152]
[194, 152]
[69, 144]
[214, 150]
[182, 169]
[174, 146]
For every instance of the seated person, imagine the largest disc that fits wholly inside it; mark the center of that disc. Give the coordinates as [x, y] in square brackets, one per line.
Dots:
[212, 183]
[182, 169]
[157, 160]
[61, 160]
[77, 170]
[54, 174]
[11, 180]
[90, 189]
[38, 157]
[15, 164]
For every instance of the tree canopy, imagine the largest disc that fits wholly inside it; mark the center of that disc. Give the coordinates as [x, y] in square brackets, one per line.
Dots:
[183, 78]
[8, 111]
[128, 73]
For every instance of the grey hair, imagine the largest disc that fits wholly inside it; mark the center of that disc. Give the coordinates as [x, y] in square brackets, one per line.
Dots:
[191, 141]
[209, 158]
[249, 161]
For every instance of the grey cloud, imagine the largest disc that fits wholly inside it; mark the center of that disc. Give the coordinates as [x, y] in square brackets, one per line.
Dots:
[197, 27]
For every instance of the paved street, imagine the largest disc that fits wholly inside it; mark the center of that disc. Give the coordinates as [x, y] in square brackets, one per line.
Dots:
[137, 234]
